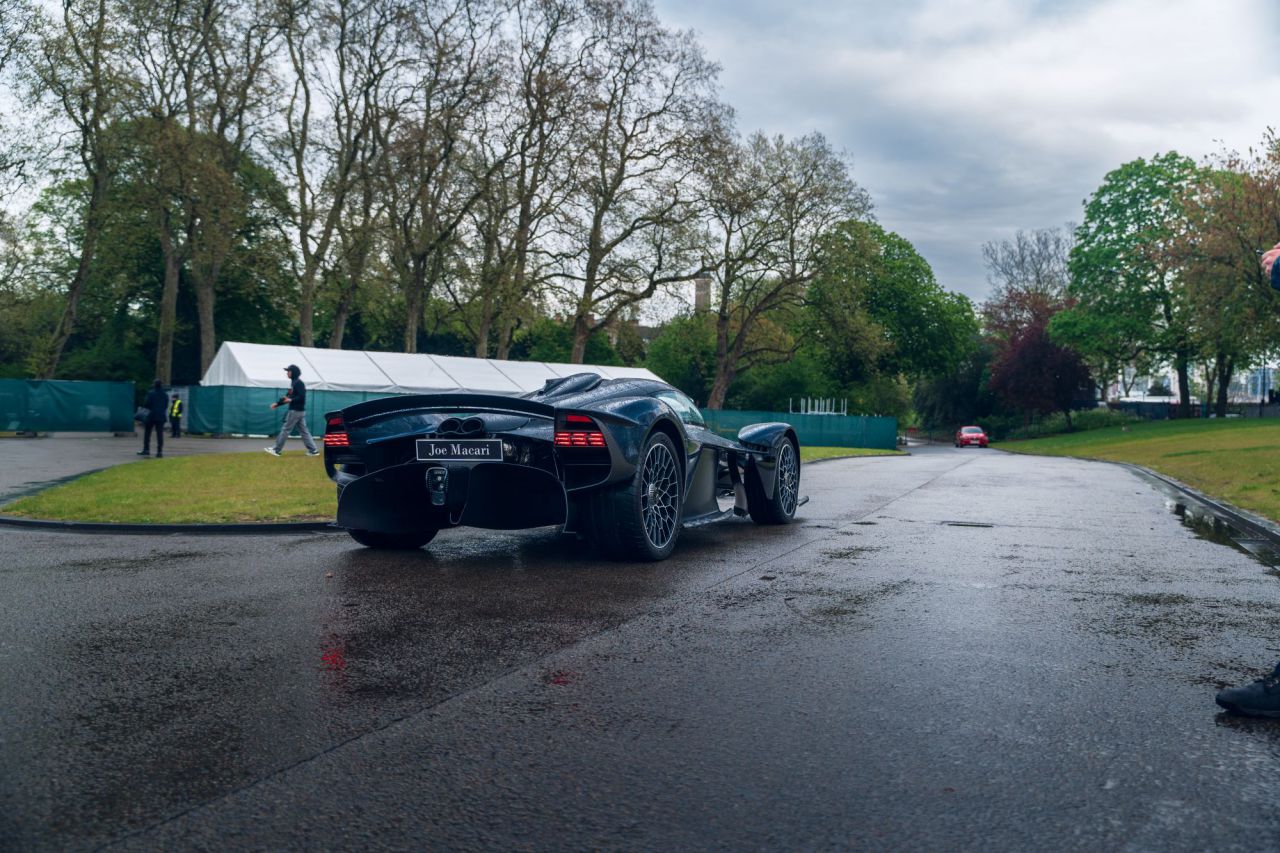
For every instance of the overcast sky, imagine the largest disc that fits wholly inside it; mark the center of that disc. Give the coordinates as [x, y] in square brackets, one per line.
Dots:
[970, 119]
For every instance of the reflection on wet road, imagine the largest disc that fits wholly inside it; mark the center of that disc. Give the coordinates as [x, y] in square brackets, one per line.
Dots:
[958, 649]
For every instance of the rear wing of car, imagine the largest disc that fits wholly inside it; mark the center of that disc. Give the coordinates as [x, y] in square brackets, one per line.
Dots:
[444, 402]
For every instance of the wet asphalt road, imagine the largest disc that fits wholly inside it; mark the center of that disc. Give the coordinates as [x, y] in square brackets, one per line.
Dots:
[888, 672]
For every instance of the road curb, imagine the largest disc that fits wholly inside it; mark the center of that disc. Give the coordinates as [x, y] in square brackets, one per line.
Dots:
[156, 529]
[838, 458]
[1242, 519]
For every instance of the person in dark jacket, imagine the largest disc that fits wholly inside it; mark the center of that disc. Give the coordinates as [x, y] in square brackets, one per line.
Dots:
[156, 403]
[175, 416]
[296, 399]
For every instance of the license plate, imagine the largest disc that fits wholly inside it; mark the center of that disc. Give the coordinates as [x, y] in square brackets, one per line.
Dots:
[443, 449]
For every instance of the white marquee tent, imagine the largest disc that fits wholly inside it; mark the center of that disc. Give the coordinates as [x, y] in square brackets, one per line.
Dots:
[260, 365]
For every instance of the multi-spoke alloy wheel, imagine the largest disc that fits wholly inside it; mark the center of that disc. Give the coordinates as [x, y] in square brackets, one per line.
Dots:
[788, 484]
[660, 495]
[780, 507]
[640, 519]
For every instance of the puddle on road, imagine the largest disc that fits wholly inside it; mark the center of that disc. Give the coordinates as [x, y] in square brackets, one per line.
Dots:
[1211, 528]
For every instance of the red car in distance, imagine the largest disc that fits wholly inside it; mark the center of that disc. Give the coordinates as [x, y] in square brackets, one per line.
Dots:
[970, 436]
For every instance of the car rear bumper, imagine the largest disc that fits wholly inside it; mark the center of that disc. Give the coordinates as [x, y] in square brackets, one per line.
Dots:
[493, 495]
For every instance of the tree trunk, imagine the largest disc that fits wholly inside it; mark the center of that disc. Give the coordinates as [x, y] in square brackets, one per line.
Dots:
[483, 333]
[1225, 367]
[205, 302]
[168, 303]
[581, 331]
[340, 315]
[342, 312]
[306, 310]
[726, 361]
[88, 244]
[413, 302]
[720, 387]
[503, 350]
[1180, 362]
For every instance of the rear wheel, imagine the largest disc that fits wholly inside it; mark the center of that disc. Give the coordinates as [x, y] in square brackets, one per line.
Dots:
[394, 541]
[640, 520]
[780, 508]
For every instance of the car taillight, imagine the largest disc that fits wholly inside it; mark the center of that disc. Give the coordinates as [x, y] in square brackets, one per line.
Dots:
[335, 433]
[579, 431]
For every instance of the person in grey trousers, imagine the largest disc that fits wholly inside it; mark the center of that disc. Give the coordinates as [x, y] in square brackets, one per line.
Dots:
[296, 399]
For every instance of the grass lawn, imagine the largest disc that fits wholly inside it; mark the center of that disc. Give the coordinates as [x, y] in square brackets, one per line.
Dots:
[810, 454]
[1237, 460]
[222, 488]
[218, 488]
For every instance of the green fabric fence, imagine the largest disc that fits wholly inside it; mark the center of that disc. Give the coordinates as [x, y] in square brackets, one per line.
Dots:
[59, 405]
[231, 410]
[814, 430]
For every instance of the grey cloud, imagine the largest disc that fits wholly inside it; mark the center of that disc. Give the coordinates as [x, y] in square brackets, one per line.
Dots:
[966, 133]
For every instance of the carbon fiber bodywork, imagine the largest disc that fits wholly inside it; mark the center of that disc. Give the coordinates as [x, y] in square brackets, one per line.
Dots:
[371, 452]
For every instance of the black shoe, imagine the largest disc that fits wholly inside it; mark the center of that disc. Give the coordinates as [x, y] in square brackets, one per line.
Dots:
[160, 455]
[144, 452]
[1259, 699]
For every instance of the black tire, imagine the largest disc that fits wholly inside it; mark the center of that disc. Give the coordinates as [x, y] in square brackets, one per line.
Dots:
[394, 541]
[780, 508]
[640, 520]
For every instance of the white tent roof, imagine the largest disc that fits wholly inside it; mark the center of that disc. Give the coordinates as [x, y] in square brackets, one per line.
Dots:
[261, 365]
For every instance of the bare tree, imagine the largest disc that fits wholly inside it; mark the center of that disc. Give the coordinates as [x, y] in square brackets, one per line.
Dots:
[15, 19]
[341, 53]
[448, 80]
[1035, 261]
[201, 74]
[650, 106]
[358, 236]
[523, 163]
[768, 203]
[74, 71]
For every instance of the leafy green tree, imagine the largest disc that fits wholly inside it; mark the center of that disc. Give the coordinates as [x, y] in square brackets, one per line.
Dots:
[768, 203]
[118, 328]
[1124, 276]
[684, 354]
[1233, 209]
[960, 396]
[875, 308]
[74, 63]
[546, 339]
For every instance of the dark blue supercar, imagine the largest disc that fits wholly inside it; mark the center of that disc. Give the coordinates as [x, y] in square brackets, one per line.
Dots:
[626, 463]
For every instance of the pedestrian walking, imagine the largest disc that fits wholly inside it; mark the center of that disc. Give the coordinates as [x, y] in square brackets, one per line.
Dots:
[296, 399]
[155, 404]
[175, 416]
